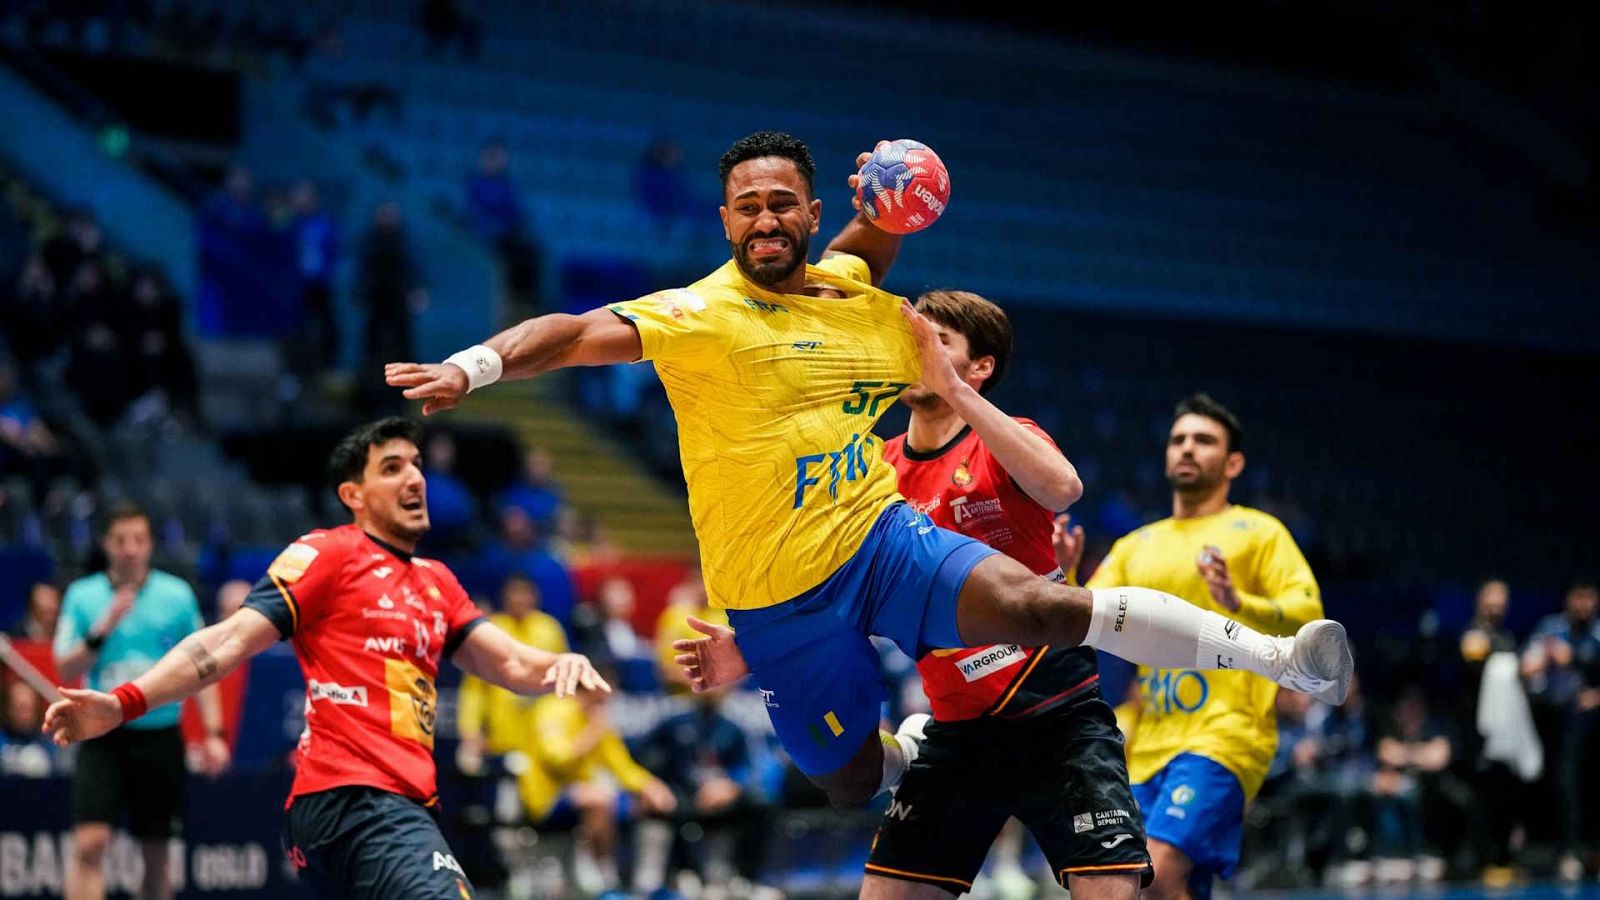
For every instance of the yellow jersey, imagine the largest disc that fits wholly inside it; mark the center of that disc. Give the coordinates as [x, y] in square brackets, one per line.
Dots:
[775, 397]
[557, 762]
[500, 715]
[1226, 717]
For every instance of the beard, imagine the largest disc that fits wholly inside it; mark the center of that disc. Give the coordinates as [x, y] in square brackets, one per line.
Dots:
[1198, 482]
[770, 273]
[918, 397]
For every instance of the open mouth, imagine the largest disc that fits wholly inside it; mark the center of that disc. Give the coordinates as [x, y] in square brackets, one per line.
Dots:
[767, 246]
[412, 504]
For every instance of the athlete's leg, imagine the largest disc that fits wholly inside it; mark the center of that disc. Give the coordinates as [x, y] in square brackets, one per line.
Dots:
[1002, 601]
[877, 887]
[597, 807]
[156, 884]
[1104, 887]
[877, 765]
[86, 877]
[1173, 869]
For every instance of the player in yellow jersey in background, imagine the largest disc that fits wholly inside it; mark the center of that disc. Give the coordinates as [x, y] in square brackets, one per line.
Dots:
[1203, 740]
[491, 719]
[777, 371]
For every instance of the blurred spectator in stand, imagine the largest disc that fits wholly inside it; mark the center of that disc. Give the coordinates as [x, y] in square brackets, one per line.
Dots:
[496, 214]
[28, 447]
[38, 622]
[608, 634]
[79, 241]
[492, 719]
[34, 322]
[1493, 780]
[25, 752]
[447, 22]
[159, 358]
[334, 86]
[98, 370]
[518, 549]
[317, 248]
[585, 538]
[719, 828]
[389, 287]
[1411, 804]
[234, 209]
[684, 599]
[1562, 665]
[662, 189]
[451, 507]
[536, 493]
[579, 767]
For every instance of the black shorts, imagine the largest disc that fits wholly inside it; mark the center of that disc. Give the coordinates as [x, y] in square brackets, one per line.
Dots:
[1063, 775]
[135, 769]
[362, 842]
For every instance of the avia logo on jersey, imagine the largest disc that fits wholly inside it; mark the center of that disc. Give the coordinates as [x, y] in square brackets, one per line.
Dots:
[386, 645]
[967, 510]
[337, 694]
[989, 661]
[808, 346]
[764, 306]
[447, 861]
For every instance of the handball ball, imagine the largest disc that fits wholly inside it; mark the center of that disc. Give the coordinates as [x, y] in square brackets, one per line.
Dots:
[904, 187]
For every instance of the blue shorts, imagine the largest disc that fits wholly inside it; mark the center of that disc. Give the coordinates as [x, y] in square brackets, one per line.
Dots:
[1197, 806]
[811, 657]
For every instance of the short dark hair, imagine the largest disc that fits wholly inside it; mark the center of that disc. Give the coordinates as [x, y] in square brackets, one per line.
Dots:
[979, 320]
[348, 461]
[1201, 404]
[770, 143]
[119, 511]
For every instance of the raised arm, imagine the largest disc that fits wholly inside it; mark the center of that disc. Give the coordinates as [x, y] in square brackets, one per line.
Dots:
[491, 654]
[860, 237]
[1034, 463]
[596, 338]
[199, 660]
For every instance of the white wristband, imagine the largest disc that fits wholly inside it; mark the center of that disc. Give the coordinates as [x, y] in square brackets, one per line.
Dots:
[482, 365]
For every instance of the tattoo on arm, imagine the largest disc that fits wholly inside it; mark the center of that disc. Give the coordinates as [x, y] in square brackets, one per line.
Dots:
[205, 665]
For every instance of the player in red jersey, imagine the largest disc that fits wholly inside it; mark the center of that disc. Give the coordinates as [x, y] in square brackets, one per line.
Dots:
[1016, 731]
[370, 622]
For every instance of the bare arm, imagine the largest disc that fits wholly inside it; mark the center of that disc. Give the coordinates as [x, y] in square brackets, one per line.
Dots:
[596, 338]
[200, 660]
[80, 659]
[491, 654]
[1039, 469]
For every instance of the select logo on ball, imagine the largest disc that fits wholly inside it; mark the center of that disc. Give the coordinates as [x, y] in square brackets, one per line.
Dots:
[904, 186]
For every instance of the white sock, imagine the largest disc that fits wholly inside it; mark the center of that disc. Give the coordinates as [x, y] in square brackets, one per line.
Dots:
[898, 752]
[1156, 629]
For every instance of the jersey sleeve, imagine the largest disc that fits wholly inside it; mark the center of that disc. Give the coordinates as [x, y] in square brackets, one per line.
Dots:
[73, 624]
[461, 614]
[846, 265]
[676, 327]
[1284, 594]
[298, 584]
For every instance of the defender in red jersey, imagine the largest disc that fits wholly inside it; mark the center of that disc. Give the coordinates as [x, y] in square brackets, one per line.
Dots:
[370, 623]
[1016, 731]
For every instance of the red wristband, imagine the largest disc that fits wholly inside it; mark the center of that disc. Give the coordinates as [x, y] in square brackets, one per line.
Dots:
[132, 699]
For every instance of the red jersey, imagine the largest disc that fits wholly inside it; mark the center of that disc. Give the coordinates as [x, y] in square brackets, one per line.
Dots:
[963, 488]
[369, 623]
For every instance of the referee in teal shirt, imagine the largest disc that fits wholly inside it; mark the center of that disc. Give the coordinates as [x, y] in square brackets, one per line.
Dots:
[114, 625]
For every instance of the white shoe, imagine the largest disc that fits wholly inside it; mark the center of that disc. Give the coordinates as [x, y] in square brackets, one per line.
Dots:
[915, 729]
[1319, 662]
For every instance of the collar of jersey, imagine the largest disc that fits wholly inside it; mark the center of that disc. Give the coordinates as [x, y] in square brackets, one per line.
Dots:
[393, 550]
[855, 291]
[931, 455]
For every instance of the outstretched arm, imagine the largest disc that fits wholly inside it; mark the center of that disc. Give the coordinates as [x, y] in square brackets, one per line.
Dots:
[491, 654]
[1039, 468]
[860, 237]
[201, 659]
[596, 338]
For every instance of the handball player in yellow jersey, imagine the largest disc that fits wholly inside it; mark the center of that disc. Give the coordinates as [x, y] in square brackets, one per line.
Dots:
[1203, 741]
[777, 371]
